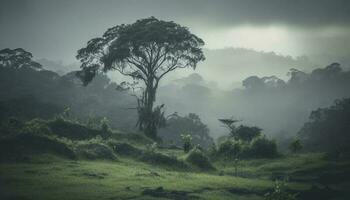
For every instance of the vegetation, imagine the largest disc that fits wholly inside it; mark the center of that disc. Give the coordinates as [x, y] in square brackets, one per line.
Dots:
[190, 124]
[60, 140]
[328, 128]
[145, 51]
[187, 142]
[197, 158]
[295, 146]
[279, 193]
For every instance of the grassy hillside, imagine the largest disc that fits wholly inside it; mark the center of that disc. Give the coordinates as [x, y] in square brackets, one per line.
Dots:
[40, 162]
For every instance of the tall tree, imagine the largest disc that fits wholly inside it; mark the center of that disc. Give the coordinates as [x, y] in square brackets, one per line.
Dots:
[146, 51]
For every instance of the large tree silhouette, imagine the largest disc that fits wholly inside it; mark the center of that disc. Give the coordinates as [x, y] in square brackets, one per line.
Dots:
[146, 51]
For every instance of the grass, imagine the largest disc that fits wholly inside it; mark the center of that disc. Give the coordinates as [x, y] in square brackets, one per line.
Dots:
[124, 167]
[57, 178]
[288, 165]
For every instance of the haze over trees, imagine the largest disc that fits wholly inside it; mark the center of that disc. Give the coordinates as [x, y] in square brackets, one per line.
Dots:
[82, 119]
[328, 128]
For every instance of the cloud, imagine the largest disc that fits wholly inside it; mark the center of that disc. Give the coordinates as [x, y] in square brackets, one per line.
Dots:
[56, 29]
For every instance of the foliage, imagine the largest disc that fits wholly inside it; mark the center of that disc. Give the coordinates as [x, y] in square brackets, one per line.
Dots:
[27, 108]
[295, 146]
[72, 130]
[105, 128]
[187, 142]
[261, 147]
[247, 133]
[151, 148]
[93, 122]
[26, 93]
[146, 51]
[230, 125]
[328, 128]
[197, 158]
[242, 132]
[190, 124]
[37, 126]
[17, 147]
[95, 150]
[17, 58]
[256, 83]
[230, 149]
[279, 193]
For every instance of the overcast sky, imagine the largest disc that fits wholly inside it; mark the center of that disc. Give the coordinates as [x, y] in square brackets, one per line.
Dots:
[56, 29]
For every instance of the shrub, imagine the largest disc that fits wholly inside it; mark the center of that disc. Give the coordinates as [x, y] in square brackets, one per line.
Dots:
[261, 147]
[230, 149]
[197, 158]
[95, 151]
[187, 142]
[104, 125]
[72, 130]
[247, 133]
[37, 126]
[213, 151]
[295, 146]
[18, 146]
[151, 148]
[280, 193]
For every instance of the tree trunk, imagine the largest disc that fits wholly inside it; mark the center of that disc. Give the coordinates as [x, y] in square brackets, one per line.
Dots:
[150, 128]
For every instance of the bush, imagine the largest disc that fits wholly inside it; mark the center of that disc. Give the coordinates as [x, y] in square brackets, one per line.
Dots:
[261, 147]
[230, 149]
[104, 125]
[197, 158]
[295, 146]
[187, 142]
[151, 148]
[279, 193]
[72, 130]
[247, 133]
[37, 126]
[95, 151]
[18, 146]
[148, 156]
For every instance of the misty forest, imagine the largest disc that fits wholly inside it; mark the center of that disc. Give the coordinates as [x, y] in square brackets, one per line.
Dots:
[178, 100]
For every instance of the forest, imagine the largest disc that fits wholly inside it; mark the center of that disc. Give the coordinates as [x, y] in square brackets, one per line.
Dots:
[150, 110]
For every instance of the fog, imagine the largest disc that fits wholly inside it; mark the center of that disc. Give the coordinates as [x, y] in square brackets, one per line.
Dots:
[243, 39]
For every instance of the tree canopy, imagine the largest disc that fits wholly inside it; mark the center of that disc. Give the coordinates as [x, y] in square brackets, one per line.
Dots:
[17, 58]
[147, 48]
[328, 128]
[145, 51]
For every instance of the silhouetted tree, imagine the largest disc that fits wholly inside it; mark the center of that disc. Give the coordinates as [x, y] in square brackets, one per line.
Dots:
[253, 82]
[328, 128]
[17, 58]
[146, 51]
[247, 133]
[295, 146]
[190, 124]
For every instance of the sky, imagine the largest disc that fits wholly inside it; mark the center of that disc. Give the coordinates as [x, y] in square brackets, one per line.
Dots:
[56, 29]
